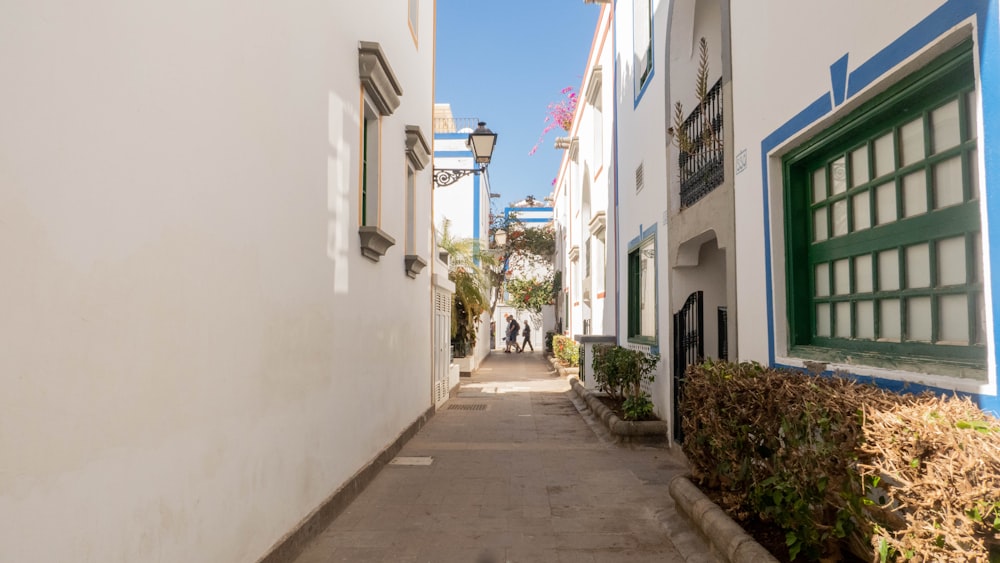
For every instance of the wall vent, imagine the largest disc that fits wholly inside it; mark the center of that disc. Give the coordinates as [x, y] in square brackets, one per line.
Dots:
[638, 178]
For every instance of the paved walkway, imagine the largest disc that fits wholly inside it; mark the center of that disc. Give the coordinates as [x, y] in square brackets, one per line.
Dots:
[517, 473]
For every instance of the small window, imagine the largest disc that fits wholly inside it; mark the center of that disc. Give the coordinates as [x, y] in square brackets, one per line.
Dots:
[642, 291]
[642, 42]
[411, 215]
[413, 18]
[370, 176]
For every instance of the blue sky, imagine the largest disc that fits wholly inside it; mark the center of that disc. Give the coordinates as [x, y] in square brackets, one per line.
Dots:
[505, 62]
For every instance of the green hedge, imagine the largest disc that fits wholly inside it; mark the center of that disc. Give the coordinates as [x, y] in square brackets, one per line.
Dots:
[836, 463]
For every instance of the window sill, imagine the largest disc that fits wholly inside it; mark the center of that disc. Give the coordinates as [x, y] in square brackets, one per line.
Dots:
[647, 340]
[414, 264]
[374, 242]
[927, 370]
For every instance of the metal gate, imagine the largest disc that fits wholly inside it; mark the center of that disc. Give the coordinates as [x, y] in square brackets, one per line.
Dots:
[442, 345]
[689, 348]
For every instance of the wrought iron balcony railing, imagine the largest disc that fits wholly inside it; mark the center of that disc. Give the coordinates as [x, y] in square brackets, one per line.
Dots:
[702, 157]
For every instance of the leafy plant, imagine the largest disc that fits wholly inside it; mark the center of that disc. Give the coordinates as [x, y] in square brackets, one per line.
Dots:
[621, 372]
[566, 350]
[530, 294]
[472, 288]
[709, 138]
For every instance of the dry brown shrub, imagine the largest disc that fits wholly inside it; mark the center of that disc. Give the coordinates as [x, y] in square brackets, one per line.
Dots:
[835, 462]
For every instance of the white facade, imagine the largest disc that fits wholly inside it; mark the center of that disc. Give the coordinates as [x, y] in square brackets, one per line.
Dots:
[835, 73]
[464, 203]
[642, 176]
[581, 200]
[196, 352]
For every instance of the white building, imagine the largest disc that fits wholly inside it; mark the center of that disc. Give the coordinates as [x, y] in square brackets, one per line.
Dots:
[582, 198]
[824, 205]
[866, 187]
[461, 197]
[525, 214]
[207, 333]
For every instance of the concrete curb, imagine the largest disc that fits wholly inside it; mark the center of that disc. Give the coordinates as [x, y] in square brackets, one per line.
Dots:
[561, 369]
[727, 538]
[627, 431]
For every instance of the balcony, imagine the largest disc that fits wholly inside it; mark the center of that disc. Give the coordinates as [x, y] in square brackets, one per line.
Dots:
[702, 155]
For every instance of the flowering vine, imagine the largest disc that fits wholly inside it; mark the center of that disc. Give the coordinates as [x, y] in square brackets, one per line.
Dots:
[559, 114]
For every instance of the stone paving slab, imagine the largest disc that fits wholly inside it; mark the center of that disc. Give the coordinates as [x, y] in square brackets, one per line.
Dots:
[517, 474]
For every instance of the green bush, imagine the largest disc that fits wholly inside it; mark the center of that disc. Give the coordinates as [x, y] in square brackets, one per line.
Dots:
[566, 350]
[834, 462]
[621, 372]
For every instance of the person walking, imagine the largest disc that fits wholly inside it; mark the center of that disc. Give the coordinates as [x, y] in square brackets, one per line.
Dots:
[527, 337]
[512, 331]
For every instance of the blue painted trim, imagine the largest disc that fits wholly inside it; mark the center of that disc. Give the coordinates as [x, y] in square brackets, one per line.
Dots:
[453, 154]
[476, 211]
[989, 75]
[938, 22]
[451, 135]
[926, 31]
[652, 58]
[838, 80]
[535, 220]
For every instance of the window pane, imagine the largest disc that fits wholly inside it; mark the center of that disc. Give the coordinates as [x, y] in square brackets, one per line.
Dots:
[884, 161]
[953, 319]
[918, 319]
[859, 166]
[974, 173]
[888, 310]
[819, 185]
[843, 320]
[948, 183]
[944, 126]
[823, 319]
[822, 280]
[951, 261]
[915, 193]
[911, 142]
[971, 110]
[840, 218]
[647, 289]
[918, 266]
[841, 277]
[864, 320]
[819, 224]
[981, 320]
[863, 273]
[977, 248]
[838, 176]
[885, 203]
[888, 270]
[862, 211]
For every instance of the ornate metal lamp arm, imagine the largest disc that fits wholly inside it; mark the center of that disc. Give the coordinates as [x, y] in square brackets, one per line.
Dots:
[448, 176]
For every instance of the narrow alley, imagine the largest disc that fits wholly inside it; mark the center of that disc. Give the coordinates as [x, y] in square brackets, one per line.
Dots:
[513, 468]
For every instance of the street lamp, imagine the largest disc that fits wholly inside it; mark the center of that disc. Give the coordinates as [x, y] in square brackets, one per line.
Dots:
[500, 237]
[481, 141]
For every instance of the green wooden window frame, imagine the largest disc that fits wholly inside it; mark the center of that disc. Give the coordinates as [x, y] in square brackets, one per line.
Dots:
[635, 291]
[884, 251]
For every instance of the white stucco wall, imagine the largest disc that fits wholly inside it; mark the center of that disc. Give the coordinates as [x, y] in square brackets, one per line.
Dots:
[770, 46]
[642, 139]
[195, 352]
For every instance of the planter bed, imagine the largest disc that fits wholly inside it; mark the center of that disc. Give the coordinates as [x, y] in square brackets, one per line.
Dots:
[622, 430]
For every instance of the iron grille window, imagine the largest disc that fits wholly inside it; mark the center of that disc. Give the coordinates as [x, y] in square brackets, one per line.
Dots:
[885, 252]
[702, 159]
